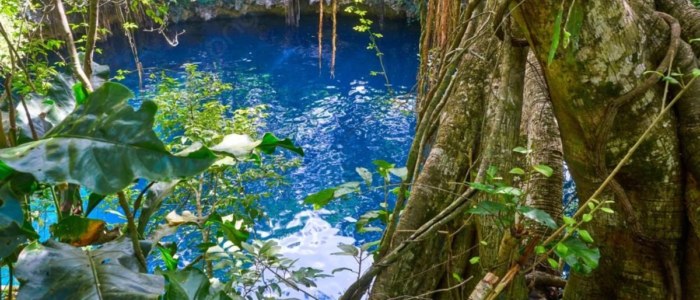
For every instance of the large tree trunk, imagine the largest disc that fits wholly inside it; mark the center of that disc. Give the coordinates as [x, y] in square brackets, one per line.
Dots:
[596, 87]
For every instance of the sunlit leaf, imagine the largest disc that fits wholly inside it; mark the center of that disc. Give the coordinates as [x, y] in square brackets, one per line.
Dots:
[365, 174]
[544, 170]
[270, 142]
[585, 236]
[321, 198]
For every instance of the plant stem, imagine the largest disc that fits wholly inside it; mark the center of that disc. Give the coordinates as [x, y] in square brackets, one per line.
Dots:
[131, 227]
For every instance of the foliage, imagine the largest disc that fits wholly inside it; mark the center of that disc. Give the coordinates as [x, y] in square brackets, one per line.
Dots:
[365, 25]
[108, 272]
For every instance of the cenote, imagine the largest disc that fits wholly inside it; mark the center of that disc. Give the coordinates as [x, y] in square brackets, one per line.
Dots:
[342, 122]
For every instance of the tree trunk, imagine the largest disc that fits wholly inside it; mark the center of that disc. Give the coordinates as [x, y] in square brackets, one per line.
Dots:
[593, 81]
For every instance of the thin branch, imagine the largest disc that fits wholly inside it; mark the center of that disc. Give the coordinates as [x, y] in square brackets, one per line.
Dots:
[93, 20]
[70, 43]
[131, 226]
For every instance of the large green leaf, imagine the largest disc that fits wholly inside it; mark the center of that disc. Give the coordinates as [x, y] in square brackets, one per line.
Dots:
[154, 198]
[60, 271]
[189, 284]
[14, 235]
[104, 145]
[50, 109]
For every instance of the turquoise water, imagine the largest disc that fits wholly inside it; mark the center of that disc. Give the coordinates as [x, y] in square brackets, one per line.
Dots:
[341, 122]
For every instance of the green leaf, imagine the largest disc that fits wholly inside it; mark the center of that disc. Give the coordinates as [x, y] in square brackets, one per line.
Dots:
[13, 235]
[517, 171]
[93, 201]
[587, 217]
[580, 257]
[509, 190]
[585, 236]
[399, 172]
[346, 188]
[487, 208]
[109, 272]
[80, 93]
[341, 269]
[591, 205]
[474, 260]
[10, 207]
[50, 109]
[236, 235]
[489, 189]
[540, 249]
[270, 142]
[346, 249]
[538, 215]
[383, 168]
[365, 174]
[553, 263]
[569, 221]
[154, 198]
[78, 231]
[522, 150]
[607, 210]
[167, 256]
[321, 198]
[189, 284]
[544, 170]
[104, 145]
[561, 249]
[696, 72]
[556, 35]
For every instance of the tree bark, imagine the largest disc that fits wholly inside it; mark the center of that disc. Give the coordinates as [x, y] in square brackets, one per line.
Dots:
[595, 84]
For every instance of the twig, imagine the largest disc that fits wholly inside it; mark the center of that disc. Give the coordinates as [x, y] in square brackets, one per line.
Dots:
[131, 226]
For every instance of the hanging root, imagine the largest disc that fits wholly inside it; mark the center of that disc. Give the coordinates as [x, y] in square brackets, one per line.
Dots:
[334, 36]
[320, 34]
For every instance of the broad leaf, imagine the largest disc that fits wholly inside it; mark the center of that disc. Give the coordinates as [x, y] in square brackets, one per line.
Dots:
[365, 174]
[538, 215]
[321, 198]
[154, 198]
[61, 271]
[189, 284]
[399, 172]
[579, 256]
[14, 235]
[544, 170]
[78, 231]
[269, 142]
[93, 201]
[10, 207]
[346, 188]
[60, 99]
[487, 208]
[104, 145]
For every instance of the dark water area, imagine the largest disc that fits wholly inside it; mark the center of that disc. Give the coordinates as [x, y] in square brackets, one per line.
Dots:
[341, 122]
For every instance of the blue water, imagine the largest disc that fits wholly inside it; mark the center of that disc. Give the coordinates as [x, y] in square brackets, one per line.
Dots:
[341, 122]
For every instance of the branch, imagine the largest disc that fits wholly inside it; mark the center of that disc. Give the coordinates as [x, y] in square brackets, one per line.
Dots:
[93, 19]
[70, 43]
[131, 226]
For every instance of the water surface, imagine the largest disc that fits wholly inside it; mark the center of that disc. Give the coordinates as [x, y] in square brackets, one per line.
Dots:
[341, 122]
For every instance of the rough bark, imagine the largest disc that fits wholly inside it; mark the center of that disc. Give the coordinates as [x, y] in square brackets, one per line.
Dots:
[447, 163]
[617, 43]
